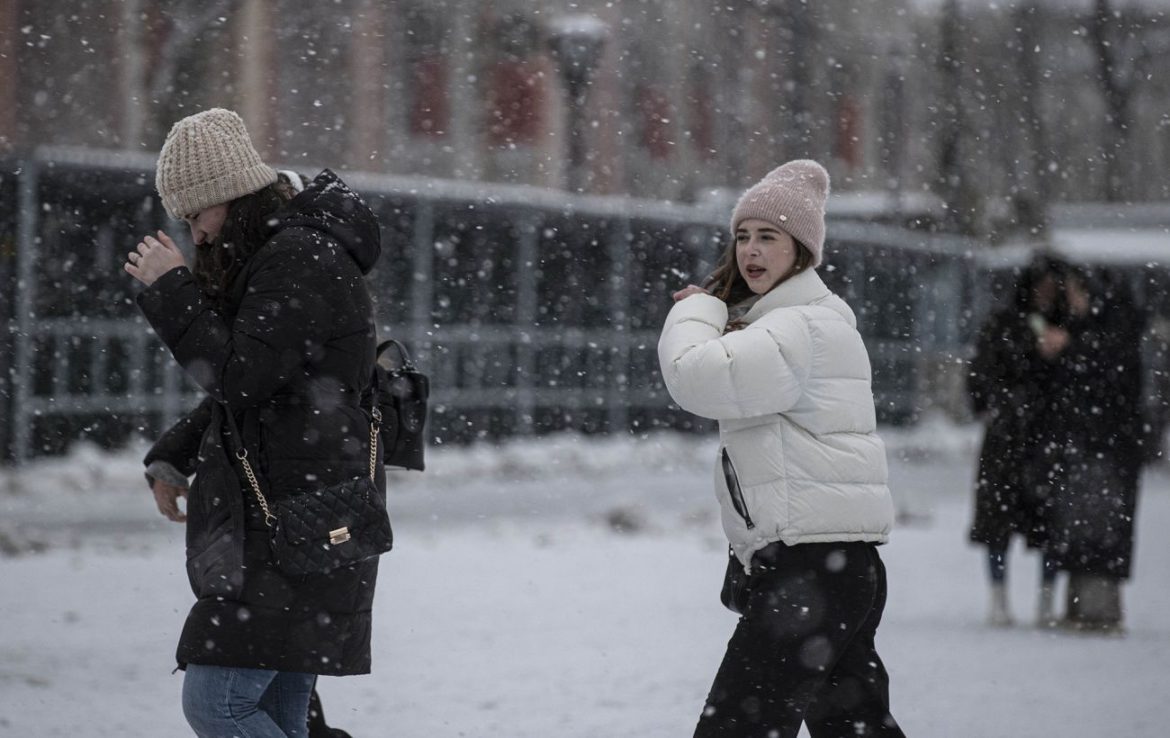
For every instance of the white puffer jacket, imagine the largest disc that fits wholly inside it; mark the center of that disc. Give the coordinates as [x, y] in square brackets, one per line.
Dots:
[799, 458]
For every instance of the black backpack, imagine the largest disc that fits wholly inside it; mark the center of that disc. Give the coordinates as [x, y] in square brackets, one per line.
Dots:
[401, 392]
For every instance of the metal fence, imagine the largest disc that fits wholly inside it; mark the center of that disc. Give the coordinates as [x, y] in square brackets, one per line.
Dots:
[533, 311]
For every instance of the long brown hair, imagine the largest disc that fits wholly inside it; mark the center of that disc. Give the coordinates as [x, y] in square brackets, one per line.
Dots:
[728, 284]
[245, 230]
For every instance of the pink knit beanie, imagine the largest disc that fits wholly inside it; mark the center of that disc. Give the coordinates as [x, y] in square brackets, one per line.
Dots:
[791, 197]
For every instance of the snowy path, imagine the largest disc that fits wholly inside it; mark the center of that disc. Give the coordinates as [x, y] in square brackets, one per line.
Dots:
[509, 608]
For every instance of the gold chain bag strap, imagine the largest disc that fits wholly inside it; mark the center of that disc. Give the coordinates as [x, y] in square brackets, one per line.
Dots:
[328, 528]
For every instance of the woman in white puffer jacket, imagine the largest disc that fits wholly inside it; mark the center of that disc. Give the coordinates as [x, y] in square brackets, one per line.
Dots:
[768, 351]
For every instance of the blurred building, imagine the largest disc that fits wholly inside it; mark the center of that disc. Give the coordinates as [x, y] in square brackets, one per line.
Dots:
[997, 110]
[686, 95]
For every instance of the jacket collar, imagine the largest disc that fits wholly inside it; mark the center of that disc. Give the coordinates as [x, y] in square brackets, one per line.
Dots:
[806, 288]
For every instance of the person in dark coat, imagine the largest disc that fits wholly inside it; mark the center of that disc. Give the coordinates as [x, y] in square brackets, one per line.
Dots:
[1091, 517]
[1012, 382]
[275, 323]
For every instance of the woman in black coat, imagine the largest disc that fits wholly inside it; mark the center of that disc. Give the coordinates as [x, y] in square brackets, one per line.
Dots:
[1091, 518]
[1014, 384]
[276, 324]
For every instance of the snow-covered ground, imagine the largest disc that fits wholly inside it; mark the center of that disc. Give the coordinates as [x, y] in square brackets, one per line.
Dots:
[563, 587]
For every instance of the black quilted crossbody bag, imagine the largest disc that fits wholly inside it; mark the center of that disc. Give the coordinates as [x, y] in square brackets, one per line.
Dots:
[325, 529]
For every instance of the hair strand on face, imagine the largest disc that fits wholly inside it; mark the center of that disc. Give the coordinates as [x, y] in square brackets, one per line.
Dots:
[726, 283]
[248, 224]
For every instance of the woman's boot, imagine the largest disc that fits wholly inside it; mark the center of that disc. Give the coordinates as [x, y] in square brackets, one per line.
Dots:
[1094, 604]
[1046, 611]
[999, 616]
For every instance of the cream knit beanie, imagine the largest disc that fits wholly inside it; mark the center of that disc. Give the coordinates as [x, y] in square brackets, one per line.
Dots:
[207, 160]
[791, 197]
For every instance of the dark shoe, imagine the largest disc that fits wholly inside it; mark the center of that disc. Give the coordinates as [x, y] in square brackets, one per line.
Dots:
[317, 726]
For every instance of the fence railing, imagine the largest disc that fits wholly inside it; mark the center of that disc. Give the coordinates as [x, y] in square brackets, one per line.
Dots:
[532, 310]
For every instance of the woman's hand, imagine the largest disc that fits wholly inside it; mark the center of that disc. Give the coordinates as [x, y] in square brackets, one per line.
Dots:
[154, 258]
[166, 496]
[1052, 342]
[1077, 298]
[690, 289]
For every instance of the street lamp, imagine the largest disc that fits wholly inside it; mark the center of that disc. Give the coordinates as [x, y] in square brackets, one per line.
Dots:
[893, 123]
[793, 22]
[576, 42]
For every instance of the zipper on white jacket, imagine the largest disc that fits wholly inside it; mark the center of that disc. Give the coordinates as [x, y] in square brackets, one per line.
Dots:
[734, 490]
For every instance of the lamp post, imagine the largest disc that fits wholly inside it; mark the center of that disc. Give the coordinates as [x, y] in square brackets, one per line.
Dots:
[792, 23]
[893, 122]
[576, 43]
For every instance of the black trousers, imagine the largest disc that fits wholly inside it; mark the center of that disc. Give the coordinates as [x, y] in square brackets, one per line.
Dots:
[804, 651]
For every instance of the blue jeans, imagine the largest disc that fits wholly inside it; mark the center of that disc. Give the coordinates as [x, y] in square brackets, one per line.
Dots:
[231, 702]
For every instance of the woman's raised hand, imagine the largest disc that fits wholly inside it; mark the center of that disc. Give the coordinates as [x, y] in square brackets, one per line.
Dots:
[690, 289]
[1052, 342]
[153, 258]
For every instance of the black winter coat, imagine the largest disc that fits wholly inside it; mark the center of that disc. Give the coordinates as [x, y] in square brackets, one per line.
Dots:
[1061, 454]
[290, 356]
[1010, 384]
[1094, 501]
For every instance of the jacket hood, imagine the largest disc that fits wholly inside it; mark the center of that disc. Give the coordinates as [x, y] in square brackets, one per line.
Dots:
[327, 204]
[805, 288]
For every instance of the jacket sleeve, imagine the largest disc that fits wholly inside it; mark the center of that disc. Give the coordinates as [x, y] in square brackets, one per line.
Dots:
[282, 321]
[759, 370]
[178, 447]
[981, 379]
[1005, 361]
